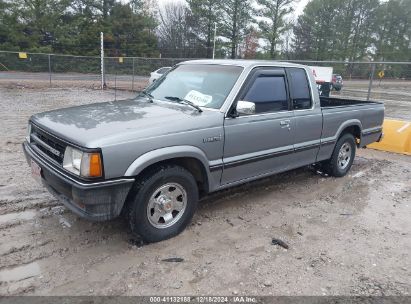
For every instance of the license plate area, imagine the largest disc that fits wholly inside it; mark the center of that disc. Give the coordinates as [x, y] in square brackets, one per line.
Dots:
[35, 171]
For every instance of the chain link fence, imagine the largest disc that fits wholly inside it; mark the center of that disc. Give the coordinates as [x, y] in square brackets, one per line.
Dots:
[41, 70]
[379, 81]
[385, 81]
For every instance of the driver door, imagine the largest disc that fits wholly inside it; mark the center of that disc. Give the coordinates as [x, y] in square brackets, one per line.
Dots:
[260, 143]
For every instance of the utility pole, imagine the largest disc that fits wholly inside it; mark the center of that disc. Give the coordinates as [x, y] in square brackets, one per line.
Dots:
[102, 59]
[215, 34]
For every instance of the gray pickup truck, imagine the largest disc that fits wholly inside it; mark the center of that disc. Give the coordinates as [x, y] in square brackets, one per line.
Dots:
[203, 126]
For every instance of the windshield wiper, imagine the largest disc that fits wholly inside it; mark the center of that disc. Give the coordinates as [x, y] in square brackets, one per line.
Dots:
[185, 101]
[148, 95]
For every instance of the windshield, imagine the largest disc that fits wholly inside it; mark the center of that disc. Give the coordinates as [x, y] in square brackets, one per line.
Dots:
[204, 85]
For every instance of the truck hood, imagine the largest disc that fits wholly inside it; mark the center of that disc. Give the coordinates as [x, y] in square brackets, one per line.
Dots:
[101, 124]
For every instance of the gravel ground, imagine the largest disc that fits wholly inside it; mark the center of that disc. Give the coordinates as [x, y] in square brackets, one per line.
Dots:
[346, 236]
[396, 95]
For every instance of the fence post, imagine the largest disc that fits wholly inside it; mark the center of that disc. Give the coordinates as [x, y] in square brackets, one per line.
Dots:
[115, 86]
[49, 69]
[371, 79]
[102, 59]
[132, 80]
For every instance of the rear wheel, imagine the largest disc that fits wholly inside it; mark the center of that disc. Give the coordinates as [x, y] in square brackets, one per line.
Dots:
[343, 156]
[164, 204]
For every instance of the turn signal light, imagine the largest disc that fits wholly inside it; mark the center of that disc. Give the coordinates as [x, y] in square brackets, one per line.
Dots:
[96, 169]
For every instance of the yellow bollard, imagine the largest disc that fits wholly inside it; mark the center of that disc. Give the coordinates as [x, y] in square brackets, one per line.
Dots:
[397, 137]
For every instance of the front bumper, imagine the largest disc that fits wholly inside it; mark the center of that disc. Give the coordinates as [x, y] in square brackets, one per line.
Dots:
[97, 201]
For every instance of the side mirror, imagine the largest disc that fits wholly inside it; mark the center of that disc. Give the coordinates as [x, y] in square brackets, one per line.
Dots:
[245, 107]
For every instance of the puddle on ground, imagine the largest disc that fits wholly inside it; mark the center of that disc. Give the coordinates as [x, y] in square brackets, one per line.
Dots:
[19, 216]
[20, 272]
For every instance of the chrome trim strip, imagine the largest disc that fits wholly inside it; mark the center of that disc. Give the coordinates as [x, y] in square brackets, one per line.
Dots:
[249, 160]
[216, 168]
[237, 160]
[371, 131]
[327, 142]
[307, 147]
[305, 144]
[312, 145]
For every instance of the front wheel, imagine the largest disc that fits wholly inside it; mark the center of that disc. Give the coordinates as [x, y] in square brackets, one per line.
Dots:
[164, 204]
[343, 156]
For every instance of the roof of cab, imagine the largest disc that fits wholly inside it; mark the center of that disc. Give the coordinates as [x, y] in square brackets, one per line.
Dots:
[243, 63]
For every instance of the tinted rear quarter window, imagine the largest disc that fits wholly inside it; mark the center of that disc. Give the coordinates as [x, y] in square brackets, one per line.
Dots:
[300, 88]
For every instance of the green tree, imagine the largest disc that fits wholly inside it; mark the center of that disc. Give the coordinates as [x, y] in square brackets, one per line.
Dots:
[313, 31]
[273, 24]
[35, 23]
[73, 27]
[204, 15]
[7, 25]
[129, 33]
[393, 36]
[335, 29]
[393, 31]
[236, 16]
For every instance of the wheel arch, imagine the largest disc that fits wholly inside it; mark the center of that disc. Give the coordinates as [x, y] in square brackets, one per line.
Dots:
[190, 158]
[353, 127]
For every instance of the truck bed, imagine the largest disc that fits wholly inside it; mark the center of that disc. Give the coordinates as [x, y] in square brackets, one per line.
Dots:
[368, 116]
[330, 102]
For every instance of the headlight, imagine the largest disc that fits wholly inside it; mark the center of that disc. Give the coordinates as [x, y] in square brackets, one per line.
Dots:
[28, 133]
[82, 163]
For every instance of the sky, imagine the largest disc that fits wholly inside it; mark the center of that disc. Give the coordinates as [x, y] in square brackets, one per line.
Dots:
[300, 6]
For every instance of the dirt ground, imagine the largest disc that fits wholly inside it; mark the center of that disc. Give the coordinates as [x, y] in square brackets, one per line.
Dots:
[346, 236]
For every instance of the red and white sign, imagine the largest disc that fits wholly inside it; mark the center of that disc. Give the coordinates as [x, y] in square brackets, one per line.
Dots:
[322, 74]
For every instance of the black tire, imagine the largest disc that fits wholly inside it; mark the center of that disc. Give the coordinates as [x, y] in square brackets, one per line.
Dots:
[334, 165]
[138, 217]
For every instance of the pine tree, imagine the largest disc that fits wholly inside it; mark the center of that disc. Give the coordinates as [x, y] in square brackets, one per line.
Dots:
[204, 15]
[273, 24]
[236, 15]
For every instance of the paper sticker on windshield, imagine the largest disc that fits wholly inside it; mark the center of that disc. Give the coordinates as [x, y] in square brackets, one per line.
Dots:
[198, 98]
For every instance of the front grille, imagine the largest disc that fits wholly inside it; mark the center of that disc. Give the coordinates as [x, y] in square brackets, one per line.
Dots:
[48, 144]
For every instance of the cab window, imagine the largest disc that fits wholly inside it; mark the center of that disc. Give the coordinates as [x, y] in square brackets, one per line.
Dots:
[300, 88]
[269, 94]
